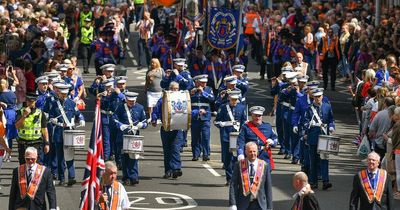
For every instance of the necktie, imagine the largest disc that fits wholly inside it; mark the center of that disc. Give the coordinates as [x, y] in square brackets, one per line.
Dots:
[252, 172]
[372, 180]
[108, 189]
[29, 174]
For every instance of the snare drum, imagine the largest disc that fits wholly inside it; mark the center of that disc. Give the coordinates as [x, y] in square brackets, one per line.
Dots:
[176, 110]
[328, 144]
[133, 144]
[233, 141]
[74, 138]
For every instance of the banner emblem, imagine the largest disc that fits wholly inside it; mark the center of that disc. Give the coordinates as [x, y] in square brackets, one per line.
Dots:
[223, 28]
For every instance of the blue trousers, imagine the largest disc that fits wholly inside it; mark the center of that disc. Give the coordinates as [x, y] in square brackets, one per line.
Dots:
[105, 129]
[287, 129]
[295, 146]
[130, 168]
[113, 138]
[279, 128]
[118, 148]
[61, 163]
[316, 163]
[228, 159]
[171, 143]
[304, 156]
[200, 138]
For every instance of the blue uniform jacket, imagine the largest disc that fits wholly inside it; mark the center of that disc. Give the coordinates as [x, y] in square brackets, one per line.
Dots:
[183, 78]
[197, 65]
[326, 116]
[42, 98]
[97, 47]
[202, 101]
[96, 88]
[239, 114]
[222, 100]
[137, 115]
[108, 105]
[246, 135]
[302, 104]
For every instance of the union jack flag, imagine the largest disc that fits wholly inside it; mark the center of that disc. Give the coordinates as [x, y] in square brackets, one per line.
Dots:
[94, 165]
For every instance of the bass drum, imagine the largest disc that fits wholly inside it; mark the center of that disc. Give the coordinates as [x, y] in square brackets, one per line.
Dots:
[176, 110]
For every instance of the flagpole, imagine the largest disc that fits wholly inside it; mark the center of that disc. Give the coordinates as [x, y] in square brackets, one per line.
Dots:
[240, 27]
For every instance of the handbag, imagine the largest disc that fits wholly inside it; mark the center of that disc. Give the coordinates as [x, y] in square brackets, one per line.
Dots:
[364, 149]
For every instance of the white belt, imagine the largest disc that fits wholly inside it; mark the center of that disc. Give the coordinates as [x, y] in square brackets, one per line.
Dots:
[287, 105]
[106, 112]
[243, 99]
[201, 104]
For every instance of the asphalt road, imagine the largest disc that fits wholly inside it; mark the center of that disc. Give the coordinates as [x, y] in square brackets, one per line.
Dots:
[202, 184]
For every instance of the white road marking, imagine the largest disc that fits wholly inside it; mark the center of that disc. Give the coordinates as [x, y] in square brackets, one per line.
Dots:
[130, 54]
[211, 170]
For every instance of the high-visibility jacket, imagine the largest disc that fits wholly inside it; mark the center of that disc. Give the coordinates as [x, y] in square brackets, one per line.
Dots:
[86, 35]
[333, 47]
[83, 16]
[249, 30]
[32, 127]
[138, 1]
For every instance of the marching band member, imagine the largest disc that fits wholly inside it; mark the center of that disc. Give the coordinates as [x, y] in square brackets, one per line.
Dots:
[171, 141]
[179, 75]
[201, 98]
[230, 84]
[289, 98]
[197, 62]
[62, 114]
[129, 117]
[97, 47]
[276, 91]
[242, 82]
[42, 91]
[260, 133]
[318, 120]
[230, 117]
[118, 98]
[97, 86]
[216, 72]
[107, 99]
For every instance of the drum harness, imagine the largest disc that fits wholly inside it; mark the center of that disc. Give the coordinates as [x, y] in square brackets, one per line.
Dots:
[128, 114]
[64, 116]
[216, 83]
[232, 121]
[316, 115]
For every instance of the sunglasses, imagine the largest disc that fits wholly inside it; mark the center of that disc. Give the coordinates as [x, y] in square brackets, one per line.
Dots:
[30, 159]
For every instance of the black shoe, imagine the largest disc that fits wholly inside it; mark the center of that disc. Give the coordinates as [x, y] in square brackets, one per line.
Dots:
[223, 167]
[326, 185]
[167, 176]
[294, 161]
[61, 183]
[86, 72]
[71, 182]
[54, 177]
[280, 153]
[227, 183]
[195, 159]
[139, 67]
[314, 186]
[206, 158]
[319, 178]
[287, 156]
[181, 150]
[176, 174]
[134, 182]
[185, 145]
[119, 166]
[262, 78]
[127, 182]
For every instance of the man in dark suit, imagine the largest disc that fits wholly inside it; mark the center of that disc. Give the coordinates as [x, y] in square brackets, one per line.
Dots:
[305, 197]
[251, 187]
[30, 183]
[372, 187]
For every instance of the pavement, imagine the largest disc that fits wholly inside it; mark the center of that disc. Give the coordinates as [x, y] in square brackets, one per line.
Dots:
[202, 184]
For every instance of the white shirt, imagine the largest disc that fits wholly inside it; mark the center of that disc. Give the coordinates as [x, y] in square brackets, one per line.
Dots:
[33, 169]
[255, 164]
[123, 201]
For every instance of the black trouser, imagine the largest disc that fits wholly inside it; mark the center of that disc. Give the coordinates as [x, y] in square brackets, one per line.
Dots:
[23, 144]
[268, 66]
[277, 69]
[97, 67]
[329, 65]
[257, 47]
[85, 54]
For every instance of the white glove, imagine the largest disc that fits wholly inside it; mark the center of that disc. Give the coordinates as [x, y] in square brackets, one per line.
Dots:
[123, 127]
[219, 60]
[53, 120]
[139, 125]
[295, 129]
[270, 142]
[233, 207]
[222, 124]
[331, 129]
[82, 123]
[240, 157]
[133, 128]
[317, 124]
[237, 60]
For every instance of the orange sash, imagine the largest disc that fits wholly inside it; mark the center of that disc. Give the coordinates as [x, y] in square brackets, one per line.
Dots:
[371, 194]
[33, 185]
[253, 188]
[115, 196]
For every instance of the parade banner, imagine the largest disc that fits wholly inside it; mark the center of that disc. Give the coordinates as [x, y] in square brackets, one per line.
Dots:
[166, 3]
[223, 28]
